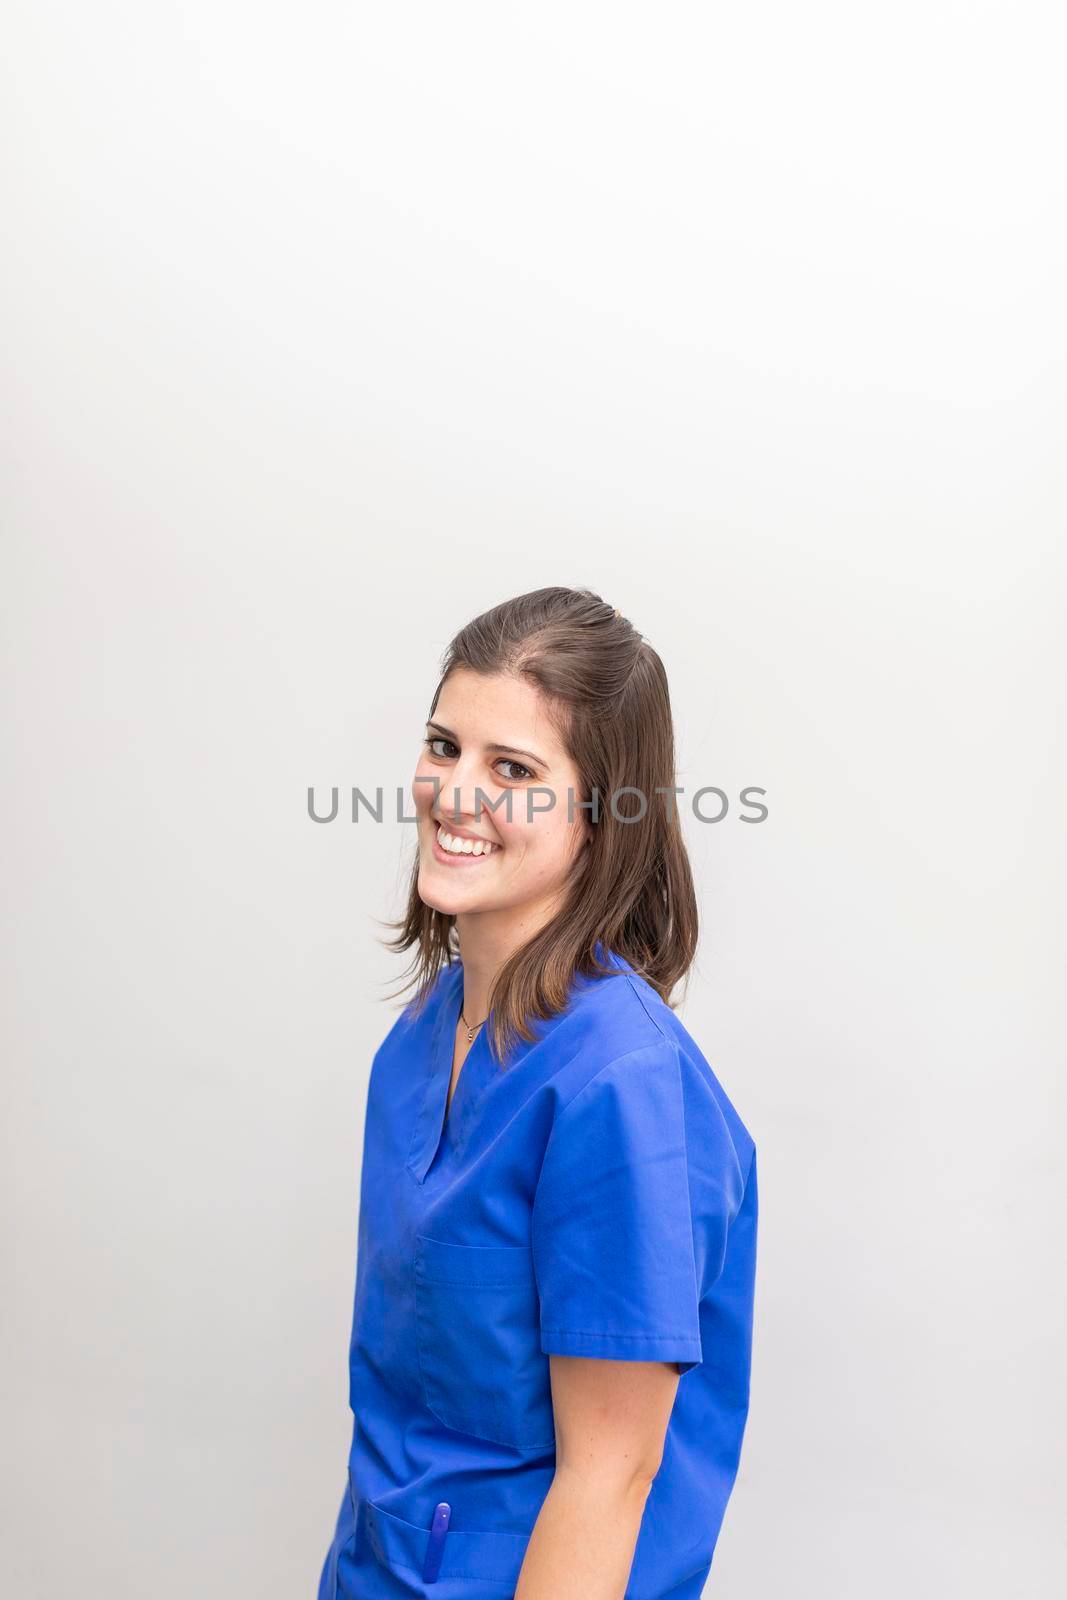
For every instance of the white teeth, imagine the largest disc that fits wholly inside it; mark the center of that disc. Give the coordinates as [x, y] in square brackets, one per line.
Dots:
[462, 847]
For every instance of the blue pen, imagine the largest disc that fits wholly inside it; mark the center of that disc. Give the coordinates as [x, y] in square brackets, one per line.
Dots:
[435, 1545]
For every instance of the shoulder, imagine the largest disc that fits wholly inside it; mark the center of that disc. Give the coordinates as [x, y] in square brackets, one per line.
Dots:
[605, 1025]
[624, 1039]
[704, 1089]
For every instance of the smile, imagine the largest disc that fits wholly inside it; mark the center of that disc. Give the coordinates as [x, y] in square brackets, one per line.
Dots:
[453, 848]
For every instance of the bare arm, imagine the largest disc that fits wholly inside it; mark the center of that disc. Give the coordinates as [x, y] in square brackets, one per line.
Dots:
[611, 1420]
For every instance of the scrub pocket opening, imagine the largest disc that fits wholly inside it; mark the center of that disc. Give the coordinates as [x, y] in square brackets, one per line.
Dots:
[478, 1565]
[478, 1330]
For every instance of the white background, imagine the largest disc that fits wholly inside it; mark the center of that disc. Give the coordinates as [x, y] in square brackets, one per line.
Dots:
[329, 326]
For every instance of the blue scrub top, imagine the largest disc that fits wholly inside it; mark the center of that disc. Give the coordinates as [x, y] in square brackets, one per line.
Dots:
[594, 1196]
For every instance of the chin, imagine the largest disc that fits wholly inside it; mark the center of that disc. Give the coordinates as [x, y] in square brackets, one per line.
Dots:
[439, 897]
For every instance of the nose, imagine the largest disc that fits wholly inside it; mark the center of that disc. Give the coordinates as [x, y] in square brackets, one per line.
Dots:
[463, 796]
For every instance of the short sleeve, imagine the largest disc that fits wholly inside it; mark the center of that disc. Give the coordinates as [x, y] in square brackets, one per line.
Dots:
[612, 1225]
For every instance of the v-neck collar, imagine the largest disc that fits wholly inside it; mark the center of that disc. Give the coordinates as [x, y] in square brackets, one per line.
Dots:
[430, 1124]
[429, 1131]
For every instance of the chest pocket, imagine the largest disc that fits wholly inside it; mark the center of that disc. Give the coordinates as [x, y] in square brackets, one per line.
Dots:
[477, 1320]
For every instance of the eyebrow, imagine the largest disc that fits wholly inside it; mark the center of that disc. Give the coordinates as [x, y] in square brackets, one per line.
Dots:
[501, 749]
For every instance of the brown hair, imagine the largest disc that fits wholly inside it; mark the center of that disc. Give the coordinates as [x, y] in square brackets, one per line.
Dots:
[633, 889]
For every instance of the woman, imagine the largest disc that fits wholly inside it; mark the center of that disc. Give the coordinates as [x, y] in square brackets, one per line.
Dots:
[551, 1337]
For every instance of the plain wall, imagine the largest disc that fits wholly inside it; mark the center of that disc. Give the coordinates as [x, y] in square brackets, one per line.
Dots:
[327, 327]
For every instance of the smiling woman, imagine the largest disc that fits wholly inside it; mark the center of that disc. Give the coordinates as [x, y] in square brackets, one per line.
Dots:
[558, 1199]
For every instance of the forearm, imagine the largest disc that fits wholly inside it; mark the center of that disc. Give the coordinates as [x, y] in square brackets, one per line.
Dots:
[582, 1544]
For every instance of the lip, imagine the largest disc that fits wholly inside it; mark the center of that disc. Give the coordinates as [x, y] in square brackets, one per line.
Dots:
[448, 859]
[461, 833]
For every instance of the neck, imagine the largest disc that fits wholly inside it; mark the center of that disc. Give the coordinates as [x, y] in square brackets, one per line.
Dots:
[487, 939]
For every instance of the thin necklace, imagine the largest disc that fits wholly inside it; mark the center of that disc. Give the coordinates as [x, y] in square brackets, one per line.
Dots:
[471, 1031]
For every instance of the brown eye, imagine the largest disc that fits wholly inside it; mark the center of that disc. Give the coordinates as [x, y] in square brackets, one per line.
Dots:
[516, 777]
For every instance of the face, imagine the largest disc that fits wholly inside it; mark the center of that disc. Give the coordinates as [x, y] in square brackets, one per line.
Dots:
[489, 743]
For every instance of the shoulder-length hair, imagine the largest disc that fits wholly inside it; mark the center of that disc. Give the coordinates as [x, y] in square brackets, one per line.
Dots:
[632, 891]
